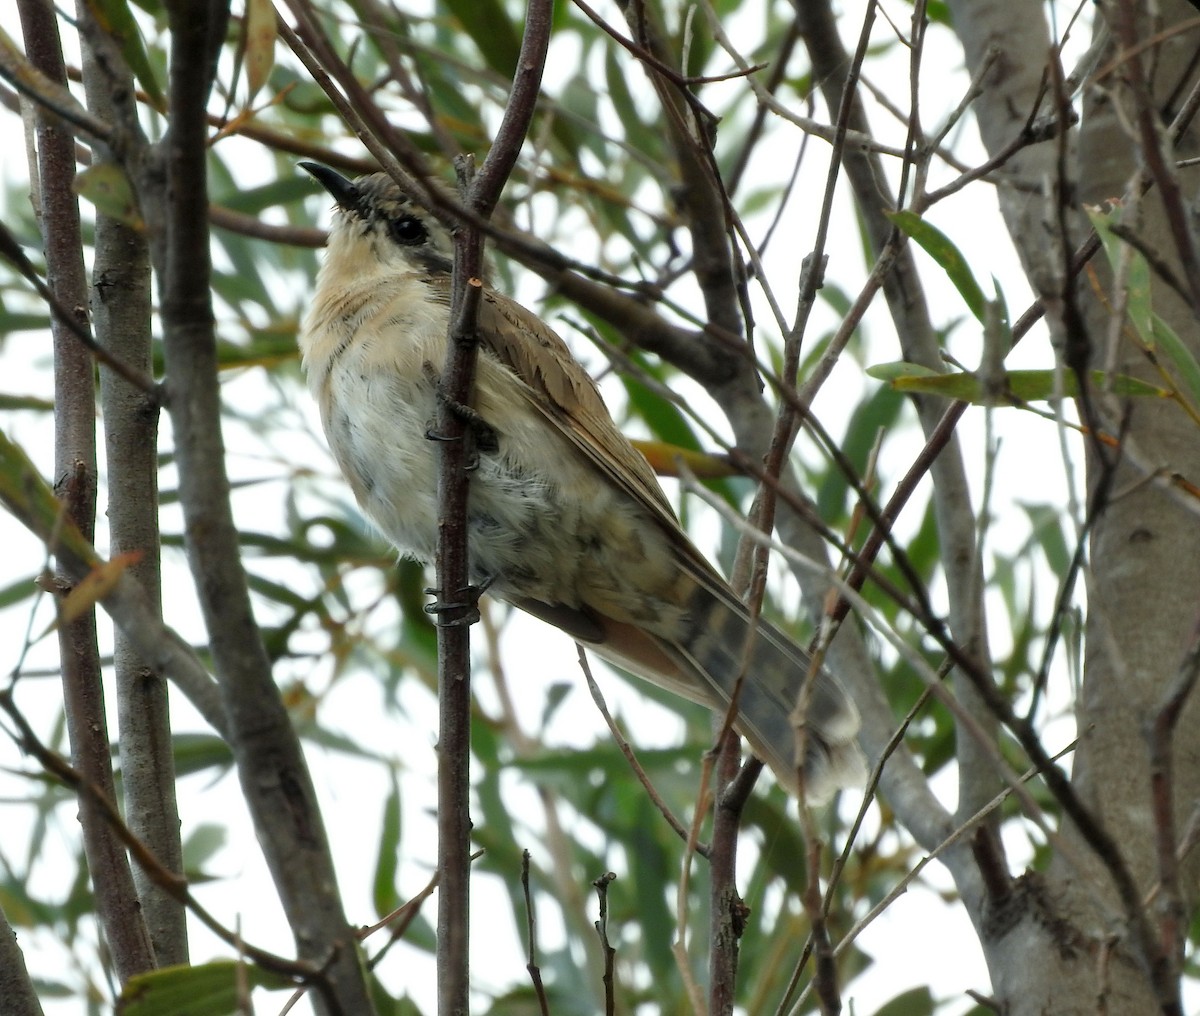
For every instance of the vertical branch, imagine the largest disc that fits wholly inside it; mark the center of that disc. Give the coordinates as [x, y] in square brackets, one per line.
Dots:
[825, 979]
[1172, 914]
[535, 972]
[920, 344]
[273, 772]
[1156, 150]
[453, 637]
[121, 310]
[75, 473]
[16, 988]
[718, 270]
[601, 885]
[453, 572]
[701, 197]
[728, 912]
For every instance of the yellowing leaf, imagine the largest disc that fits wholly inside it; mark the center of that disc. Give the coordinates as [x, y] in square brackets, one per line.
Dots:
[260, 43]
[96, 585]
[665, 458]
[25, 494]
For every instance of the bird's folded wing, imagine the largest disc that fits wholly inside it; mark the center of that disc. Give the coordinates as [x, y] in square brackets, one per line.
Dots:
[568, 397]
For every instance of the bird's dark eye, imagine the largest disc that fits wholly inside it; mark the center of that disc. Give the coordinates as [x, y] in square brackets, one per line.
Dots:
[407, 230]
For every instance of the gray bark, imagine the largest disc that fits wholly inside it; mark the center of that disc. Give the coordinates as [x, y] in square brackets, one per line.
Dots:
[1062, 943]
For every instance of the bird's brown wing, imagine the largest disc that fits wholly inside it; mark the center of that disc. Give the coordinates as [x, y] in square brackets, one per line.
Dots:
[568, 398]
[566, 394]
[704, 660]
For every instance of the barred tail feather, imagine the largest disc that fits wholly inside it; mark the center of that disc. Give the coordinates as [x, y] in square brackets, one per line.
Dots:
[700, 654]
[770, 713]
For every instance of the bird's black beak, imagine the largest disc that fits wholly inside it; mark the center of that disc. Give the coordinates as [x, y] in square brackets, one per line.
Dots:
[347, 196]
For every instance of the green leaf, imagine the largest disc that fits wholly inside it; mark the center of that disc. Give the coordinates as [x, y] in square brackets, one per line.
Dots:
[384, 887]
[8, 402]
[784, 854]
[52, 989]
[1022, 385]
[114, 17]
[1137, 281]
[646, 139]
[200, 846]
[385, 1005]
[665, 420]
[211, 989]
[196, 753]
[286, 190]
[938, 246]
[266, 348]
[491, 29]
[914, 1002]
[107, 187]
[877, 413]
[16, 322]
[1164, 336]
[16, 592]
[1049, 534]
[1151, 329]
[556, 694]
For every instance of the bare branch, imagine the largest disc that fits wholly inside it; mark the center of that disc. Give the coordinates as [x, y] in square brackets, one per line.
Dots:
[76, 480]
[453, 566]
[535, 972]
[271, 766]
[1172, 915]
[47, 93]
[16, 987]
[622, 742]
[69, 319]
[121, 309]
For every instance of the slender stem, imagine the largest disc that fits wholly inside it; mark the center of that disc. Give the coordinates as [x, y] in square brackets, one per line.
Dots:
[274, 775]
[75, 470]
[121, 311]
[453, 570]
[16, 987]
[727, 919]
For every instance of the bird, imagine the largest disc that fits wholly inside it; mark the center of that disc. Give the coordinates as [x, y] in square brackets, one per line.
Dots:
[566, 520]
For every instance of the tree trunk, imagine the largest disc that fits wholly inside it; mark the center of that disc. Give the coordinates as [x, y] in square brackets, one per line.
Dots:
[1061, 943]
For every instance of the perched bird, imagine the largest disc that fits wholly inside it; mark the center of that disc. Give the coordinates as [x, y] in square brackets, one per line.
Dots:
[566, 519]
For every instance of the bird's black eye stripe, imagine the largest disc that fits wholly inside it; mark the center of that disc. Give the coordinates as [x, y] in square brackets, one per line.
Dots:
[407, 230]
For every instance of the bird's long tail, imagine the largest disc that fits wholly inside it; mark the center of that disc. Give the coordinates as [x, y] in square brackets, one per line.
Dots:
[783, 705]
[707, 649]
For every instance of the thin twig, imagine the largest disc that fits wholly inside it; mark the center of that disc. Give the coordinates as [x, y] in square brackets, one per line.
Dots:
[610, 954]
[531, 964]
[900, 888]
[1172, 916]
[481, 194]
[623, 744]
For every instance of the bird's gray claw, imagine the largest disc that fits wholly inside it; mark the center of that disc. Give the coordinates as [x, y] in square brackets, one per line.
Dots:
[458, 610]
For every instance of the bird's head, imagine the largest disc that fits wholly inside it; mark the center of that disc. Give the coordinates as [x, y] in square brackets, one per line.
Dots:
[377, 227]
